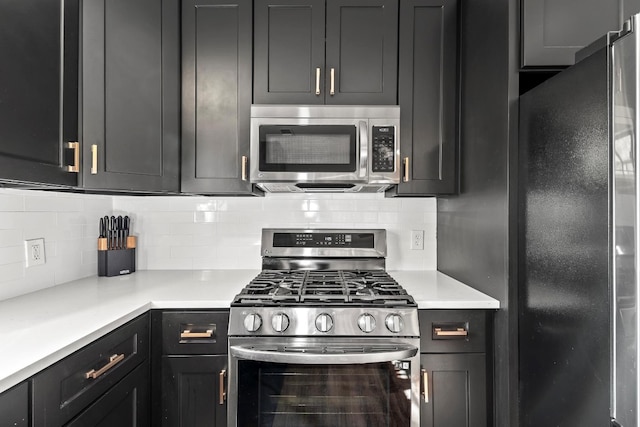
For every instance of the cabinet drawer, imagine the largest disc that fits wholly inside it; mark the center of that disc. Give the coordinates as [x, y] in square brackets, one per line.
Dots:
[61, 391]
[194, 332]
[452, 331]
[14, 406]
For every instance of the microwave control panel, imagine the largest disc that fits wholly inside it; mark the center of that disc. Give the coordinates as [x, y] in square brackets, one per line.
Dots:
[383, 156]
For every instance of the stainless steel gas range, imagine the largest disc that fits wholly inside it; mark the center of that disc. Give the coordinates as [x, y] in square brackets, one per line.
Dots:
[323, 336]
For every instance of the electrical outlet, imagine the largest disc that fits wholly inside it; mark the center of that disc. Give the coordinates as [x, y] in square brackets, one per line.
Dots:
[34, 252]
[417, 239]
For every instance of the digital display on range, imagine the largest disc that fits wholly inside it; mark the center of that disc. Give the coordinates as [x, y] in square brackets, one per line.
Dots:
[317, 240]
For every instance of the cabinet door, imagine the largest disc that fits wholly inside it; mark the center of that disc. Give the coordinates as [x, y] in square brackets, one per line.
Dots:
[125, 405]
[289, 52]
[34, 120]
[64, 390]
[191, 391]
[130, 94]
[455, 392]
[427, 94]
[553, 31]
[216, 96]
[361, 52]
[14, 406]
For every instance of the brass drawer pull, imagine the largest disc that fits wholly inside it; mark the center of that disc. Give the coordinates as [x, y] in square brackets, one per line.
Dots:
[113, 361]
[75, 146]
[333, 82]
[223, 394]
[188, 334]
[405, 177]
[94, 159]
[425, 385]
[458, 332]
[243, 166]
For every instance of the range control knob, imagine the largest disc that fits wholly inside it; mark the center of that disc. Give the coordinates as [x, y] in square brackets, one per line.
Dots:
[252, 322]
[394, 323]
[324, 322]
[366, 322]
[280, 322]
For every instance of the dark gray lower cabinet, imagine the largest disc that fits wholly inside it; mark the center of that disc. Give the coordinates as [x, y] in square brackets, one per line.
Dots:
[454, 391]
[216, 96]
[455, 394]
[191, 391]
[125, 405]
[192, 349]
[38, 110]
[14, 406]
[428, 97]
[130, 95]
[104, 383]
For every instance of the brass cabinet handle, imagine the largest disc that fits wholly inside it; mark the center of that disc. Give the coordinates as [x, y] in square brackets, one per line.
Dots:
[333, 81]
[223, 394]
[318, 81]
[458, 332]
[113, 361]
[425, 385]
[188, 334]
[245, 159]
[75, 146]
[405, 177]
[94, 159]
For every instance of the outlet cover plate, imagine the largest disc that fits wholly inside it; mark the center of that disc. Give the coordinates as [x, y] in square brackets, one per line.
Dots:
[34, 252]
[417, 240]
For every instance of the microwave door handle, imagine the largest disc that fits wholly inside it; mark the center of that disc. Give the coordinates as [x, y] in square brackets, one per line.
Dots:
[364, 149]
[399, 352]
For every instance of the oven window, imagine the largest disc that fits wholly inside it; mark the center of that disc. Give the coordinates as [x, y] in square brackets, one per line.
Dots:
[310, 148]
[278, 395]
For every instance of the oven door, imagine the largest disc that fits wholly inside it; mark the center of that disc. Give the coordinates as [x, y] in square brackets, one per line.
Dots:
[309, 150]
[318, 382]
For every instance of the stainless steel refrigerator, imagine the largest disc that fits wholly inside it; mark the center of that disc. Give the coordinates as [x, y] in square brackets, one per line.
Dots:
[578, 235]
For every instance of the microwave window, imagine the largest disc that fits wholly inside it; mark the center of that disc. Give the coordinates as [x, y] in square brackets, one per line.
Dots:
[308, 149]
[312, 148]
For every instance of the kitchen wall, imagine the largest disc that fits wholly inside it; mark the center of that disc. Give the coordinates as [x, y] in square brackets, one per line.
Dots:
[191, 232]
[67, 222]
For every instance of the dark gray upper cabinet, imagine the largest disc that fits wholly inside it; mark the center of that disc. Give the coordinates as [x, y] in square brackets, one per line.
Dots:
[130, 95]
[216, 96]
[333, 52]
[428, 97]
[38, 89]
[553, 31]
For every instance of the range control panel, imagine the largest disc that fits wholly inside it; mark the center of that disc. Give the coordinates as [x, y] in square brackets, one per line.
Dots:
[352, 240]
[383, 156]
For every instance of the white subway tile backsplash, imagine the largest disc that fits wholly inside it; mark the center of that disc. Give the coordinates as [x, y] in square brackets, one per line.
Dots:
[232, 239]
[68, 223]
[191, 232]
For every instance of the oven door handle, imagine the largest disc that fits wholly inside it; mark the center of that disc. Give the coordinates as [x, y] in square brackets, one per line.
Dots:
[327, 355]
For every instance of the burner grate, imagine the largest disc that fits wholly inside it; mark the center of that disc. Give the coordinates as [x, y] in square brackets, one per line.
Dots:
[324, 287]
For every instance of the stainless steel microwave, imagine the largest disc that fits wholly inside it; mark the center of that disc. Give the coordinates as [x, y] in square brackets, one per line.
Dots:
[326, 148]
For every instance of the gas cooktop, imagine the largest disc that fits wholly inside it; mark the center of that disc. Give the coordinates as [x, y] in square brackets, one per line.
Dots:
[323, 282]
[324, 287]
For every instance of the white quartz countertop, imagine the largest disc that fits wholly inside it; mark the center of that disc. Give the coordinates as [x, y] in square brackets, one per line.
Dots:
[41, 328]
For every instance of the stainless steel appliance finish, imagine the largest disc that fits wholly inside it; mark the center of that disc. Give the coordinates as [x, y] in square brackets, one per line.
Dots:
[339, 148]
[321, 345]
[580, 218]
